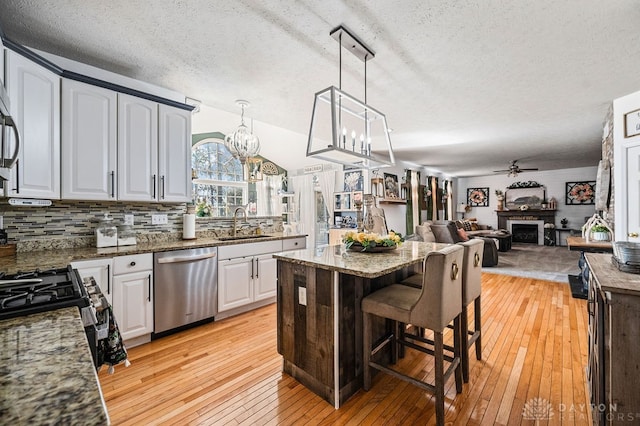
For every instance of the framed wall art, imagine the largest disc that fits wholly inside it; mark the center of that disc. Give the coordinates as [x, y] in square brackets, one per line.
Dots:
[353, 181]
[391, 187]
[632, 124]
[478, 197]
[580, 193]
[532, 197]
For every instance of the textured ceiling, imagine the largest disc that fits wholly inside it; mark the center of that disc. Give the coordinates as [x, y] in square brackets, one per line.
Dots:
[467, 86]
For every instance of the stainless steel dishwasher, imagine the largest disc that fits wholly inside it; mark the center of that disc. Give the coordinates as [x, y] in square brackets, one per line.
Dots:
[185, 287]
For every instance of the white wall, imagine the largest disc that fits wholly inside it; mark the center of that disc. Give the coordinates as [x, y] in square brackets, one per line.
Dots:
[285, 148]
[554, 182]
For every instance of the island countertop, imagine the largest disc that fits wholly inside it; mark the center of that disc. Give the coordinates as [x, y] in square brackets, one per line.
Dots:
[366, 265]
[46, 371]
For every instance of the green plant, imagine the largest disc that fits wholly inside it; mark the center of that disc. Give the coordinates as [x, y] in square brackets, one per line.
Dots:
[599, 228]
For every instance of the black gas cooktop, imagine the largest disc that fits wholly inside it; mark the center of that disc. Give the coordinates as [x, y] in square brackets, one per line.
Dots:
[37, 291]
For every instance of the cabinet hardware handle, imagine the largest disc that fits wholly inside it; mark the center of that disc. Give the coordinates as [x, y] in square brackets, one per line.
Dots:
[149, 288]
[113, 184]
[132, 264]
[154, 186]
[17, 188]
[162, 186]
[108, 279]
[257, 268]
[633, 234]
[251, 268]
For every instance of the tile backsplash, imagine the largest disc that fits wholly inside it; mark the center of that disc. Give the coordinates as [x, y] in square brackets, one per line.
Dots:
[67, 224]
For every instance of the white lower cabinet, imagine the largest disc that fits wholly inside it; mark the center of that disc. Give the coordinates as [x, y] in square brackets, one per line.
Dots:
[235, 283]
[265, 278]
[100, 270]
[127, 283]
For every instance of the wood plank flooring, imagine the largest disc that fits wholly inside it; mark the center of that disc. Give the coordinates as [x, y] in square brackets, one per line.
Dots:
[229, 372]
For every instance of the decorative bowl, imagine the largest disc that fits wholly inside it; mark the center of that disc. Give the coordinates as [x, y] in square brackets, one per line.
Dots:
[376, 249]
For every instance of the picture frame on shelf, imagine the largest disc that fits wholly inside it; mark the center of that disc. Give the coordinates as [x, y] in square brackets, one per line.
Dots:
[580, 193]
[478, 197]
[391, 187]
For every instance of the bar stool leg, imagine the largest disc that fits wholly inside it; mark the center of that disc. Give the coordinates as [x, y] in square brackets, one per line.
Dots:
[401, 332]
[439, 373]
[394, 341]
[464, 334]
[477, 327]
[366, 352]
[458, 344]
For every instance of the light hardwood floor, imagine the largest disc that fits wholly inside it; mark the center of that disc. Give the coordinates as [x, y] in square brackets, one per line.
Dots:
[229, 372]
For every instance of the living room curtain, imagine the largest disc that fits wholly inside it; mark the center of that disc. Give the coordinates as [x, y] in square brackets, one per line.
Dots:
[432, 198]
[412, 214]
[447, 200]
[409, 211]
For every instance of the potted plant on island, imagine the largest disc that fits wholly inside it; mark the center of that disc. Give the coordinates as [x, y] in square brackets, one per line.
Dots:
[600, 233]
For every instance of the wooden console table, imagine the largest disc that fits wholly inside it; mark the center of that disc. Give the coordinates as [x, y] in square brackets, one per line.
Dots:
[579, 244]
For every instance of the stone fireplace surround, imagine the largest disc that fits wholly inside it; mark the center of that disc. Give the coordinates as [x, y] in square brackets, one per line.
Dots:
[506, 218]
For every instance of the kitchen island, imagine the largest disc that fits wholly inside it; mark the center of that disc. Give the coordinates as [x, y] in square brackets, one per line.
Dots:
[46, 371]
[319, 317]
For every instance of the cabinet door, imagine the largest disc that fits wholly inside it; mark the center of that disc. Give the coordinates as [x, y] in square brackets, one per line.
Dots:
[174, 154]
[632, 199]
[235, 283]
[133, 303]
[88, 142]
[35, 105]
[265, 277]
[100, 270]
[137, 149]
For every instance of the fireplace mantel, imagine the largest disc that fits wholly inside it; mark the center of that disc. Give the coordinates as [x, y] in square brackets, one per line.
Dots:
[548, 216]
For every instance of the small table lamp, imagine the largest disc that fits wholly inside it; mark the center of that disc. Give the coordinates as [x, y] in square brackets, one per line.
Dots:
[462, 208]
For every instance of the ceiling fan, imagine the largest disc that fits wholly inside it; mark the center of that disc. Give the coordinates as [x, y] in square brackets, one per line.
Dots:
[514, 169]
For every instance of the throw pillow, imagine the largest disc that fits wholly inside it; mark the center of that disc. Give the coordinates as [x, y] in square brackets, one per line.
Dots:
[466, 225]
[425, 232]
[463, 234]
[474, 226]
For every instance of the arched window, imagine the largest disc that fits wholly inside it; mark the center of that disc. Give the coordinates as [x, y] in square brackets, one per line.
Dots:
[218, 178]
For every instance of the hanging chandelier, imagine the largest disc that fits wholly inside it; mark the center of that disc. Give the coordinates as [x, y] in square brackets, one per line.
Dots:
[344, 129]
[242, 143]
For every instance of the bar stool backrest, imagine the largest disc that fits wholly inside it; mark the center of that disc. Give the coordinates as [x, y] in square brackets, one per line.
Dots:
[441, 298]
[472, 270]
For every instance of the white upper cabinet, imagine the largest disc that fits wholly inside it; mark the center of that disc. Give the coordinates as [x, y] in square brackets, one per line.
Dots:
[89, 139]
[137, 149]
[35, 105]
[174, 154]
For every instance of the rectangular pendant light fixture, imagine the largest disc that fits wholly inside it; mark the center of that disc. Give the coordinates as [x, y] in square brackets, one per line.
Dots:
[344, 129]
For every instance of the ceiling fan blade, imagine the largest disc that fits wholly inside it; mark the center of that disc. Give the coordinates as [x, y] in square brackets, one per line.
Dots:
[528, 170]
[500, 171]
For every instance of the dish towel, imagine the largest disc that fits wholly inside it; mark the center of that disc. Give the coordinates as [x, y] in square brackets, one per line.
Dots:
[112, 349]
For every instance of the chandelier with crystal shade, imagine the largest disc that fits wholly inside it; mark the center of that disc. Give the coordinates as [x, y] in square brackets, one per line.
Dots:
[242, 143]
[344, 129]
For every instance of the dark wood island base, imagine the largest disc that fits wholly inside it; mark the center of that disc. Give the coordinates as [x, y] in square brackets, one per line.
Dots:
[319, 316]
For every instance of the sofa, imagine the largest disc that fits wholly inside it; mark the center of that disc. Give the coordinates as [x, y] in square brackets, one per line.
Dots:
[448, 232]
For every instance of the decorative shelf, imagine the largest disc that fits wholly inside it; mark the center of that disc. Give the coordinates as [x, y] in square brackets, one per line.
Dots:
[392, 201]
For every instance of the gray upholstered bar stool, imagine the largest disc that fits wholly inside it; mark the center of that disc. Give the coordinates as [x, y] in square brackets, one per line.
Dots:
[433, 307]
[471, 291]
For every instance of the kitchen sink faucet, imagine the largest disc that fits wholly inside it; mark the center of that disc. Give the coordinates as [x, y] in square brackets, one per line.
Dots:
[235, 218]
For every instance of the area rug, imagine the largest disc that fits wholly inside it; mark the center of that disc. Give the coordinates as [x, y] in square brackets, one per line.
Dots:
[550, 263]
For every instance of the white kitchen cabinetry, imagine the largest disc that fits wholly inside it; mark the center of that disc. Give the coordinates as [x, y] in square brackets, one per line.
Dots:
[121, 147]
[133, 295]
[174, 154]
[100, 270]
[89, 136]
[35, 106]
[137, 149]
[247, 273]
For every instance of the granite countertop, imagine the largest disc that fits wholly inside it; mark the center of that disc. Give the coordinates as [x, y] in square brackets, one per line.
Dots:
[46, 371]
[60, 258]
[367, 265]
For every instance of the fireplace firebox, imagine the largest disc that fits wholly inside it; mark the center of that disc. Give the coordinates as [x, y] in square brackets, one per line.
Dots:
[524, 233]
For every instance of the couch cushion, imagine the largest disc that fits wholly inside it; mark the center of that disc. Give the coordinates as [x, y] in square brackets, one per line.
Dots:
[424, 231]
[446, 232]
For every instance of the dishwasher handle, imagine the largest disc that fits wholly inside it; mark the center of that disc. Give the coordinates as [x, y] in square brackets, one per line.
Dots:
[192, 258]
